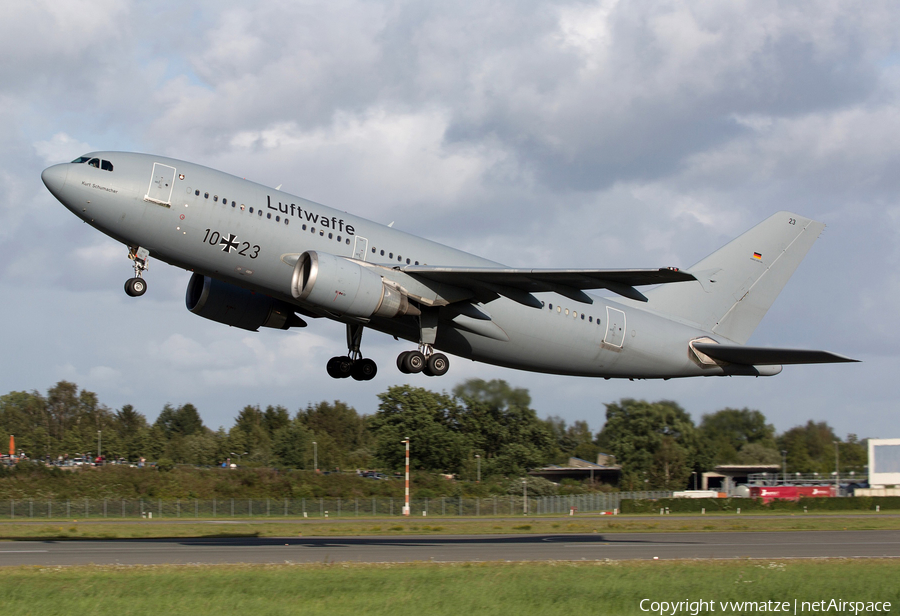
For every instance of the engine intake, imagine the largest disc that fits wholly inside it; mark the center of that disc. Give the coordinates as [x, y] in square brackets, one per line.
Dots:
[345, 288]
[229, 304]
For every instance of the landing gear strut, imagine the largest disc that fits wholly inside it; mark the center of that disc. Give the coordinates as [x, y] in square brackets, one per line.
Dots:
[353, 364]
[137, 286]
[424, 359]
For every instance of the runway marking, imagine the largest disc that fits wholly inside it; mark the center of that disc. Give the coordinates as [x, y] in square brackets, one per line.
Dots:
[24, 551]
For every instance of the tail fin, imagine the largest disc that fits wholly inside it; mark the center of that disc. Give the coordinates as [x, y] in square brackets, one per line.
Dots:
[738, 283]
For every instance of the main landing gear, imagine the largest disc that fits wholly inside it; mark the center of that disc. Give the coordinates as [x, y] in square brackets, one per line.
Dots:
[425, 361]
[353, 364]
[137, 286]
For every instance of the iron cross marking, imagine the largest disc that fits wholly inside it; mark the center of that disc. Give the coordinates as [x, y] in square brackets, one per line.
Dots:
[230, 243]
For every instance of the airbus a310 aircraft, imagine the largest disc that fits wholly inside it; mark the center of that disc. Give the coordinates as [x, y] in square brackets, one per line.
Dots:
[264, 258]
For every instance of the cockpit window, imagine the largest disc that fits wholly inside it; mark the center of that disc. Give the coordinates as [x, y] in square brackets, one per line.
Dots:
[94, 162]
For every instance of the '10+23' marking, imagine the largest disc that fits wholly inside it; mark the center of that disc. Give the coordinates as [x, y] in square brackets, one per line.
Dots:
[231, 243]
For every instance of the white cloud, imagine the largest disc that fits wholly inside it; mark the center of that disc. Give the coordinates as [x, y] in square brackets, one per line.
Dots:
[601, 134]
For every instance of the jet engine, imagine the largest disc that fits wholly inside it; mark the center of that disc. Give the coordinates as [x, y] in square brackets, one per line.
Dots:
[346, 288]
[229, 304]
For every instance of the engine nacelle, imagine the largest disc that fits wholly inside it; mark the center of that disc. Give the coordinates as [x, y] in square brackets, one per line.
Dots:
[345, 288]
[229, 304]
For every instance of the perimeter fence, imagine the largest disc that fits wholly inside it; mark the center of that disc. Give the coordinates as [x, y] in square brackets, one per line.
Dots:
[320, 507]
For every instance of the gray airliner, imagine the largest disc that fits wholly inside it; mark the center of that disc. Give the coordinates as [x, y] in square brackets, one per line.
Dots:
[263, 258]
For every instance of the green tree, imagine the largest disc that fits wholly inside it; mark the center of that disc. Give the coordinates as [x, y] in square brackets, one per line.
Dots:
[291, 445]
[810, 448]
[182, 421]
[645, 436]
[725, 433]
[342, 423]
[424, 417]
[499, 424]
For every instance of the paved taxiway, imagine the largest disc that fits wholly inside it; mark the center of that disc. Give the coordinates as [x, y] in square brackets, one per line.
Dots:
[456, 548]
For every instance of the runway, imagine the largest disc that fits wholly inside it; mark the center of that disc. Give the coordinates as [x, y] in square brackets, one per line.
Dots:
[456, 548]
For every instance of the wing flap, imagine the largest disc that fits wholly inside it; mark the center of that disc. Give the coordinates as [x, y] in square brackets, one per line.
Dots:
[765, 356]
[570, 283]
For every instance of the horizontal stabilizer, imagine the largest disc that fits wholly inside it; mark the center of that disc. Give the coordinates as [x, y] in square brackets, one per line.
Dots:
[765, 356]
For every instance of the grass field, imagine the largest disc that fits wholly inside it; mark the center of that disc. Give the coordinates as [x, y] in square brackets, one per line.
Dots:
[98, 528]
[424, 588]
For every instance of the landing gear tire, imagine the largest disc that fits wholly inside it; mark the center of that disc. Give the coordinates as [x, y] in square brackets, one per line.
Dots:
[135, 287]
[339, 367]
[414, 362]
[437, 365]
[401, 362]
[364, 370]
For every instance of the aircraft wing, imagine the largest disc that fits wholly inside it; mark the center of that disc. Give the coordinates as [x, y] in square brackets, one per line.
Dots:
[765, 356]
[519, 284]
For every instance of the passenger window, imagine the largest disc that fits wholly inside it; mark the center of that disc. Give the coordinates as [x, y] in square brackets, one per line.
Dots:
[206, 195]
[286, 221]
[312, 229]
[417, 262]
[321, 234]
[260, 212]
[197, 193]
[348, 241]
[269, 215]
[551, 306]
[582, 316]
[330, 236]
[94, 162]
[407, 261]
[339, 239]
[106, 165]
[373, 249]
[304, 227]
[216, 198]
[278, 219]
[382, 253]
[390, 255]
[251, 210]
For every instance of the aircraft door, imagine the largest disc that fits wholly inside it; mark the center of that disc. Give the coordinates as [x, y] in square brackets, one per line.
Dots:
[615, 327]
[162, 181]
[360, 248]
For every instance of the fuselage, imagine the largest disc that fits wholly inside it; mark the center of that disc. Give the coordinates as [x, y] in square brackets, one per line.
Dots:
[249, 235]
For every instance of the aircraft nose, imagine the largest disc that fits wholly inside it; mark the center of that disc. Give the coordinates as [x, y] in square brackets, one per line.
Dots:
[55, 178]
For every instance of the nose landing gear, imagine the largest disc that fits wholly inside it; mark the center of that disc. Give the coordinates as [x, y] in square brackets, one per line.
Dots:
[137, 286]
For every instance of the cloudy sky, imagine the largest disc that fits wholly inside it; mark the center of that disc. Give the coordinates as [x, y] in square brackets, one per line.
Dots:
[540, 134]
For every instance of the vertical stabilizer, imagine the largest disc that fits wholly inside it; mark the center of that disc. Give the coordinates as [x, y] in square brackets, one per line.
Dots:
[739, 282]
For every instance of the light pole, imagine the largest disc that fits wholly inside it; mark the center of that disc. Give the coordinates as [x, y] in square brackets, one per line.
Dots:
[837, 470]
[406, 492]
[99, 451]
[784, 466]
[524, 496]
[478, 476]
[238, 456]
[694, 473]
[316, 456]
